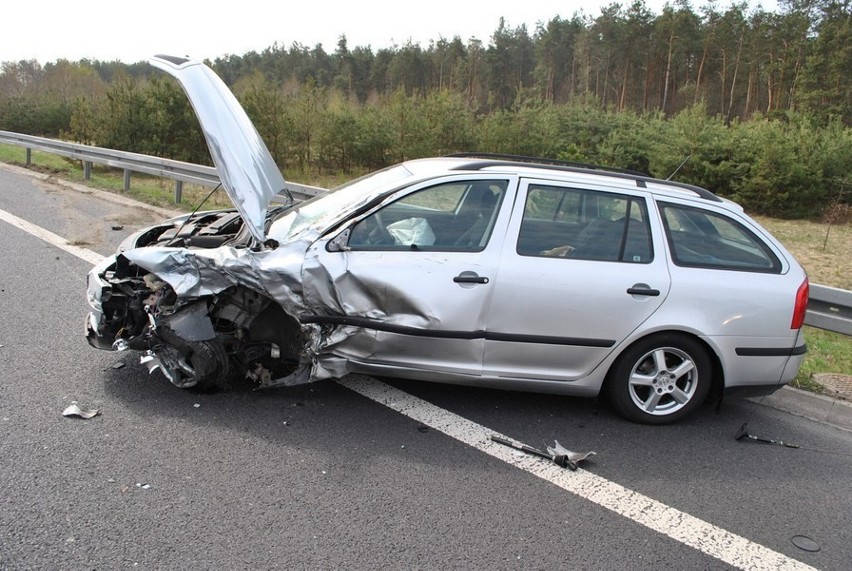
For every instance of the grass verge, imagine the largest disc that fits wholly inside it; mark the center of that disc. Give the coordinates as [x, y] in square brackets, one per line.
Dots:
[144, 188]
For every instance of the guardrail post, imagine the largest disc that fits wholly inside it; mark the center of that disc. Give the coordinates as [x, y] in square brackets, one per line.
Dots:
[29, 156]
[87, 170]
[178, 191]
[126, 180]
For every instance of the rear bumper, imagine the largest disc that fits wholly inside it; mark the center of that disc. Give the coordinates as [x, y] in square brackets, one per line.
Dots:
[752, 390]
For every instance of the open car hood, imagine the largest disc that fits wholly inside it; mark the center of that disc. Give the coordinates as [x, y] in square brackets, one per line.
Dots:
[249, 175]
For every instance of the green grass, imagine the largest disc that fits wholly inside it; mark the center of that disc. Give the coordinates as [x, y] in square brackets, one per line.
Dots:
[145, 188]
[824, 250]
[827, 353]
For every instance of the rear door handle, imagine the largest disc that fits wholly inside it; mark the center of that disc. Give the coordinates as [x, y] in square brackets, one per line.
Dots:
[643, 290]
[470, 278]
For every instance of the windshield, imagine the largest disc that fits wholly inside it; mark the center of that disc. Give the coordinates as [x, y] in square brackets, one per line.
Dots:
[328, 209]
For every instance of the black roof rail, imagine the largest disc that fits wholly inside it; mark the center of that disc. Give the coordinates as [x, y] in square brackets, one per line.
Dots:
[546, 162]
[495, 159]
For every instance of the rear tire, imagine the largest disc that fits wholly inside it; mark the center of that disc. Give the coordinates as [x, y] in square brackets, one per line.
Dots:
[660, 379]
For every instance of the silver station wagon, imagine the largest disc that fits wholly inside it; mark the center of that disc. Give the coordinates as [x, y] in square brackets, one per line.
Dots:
[484, 270]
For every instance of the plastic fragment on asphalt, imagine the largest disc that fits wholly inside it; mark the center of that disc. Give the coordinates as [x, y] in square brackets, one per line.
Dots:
[118, 365]
[75, 410]
[143, 485]
[118, 227]
[576, 457]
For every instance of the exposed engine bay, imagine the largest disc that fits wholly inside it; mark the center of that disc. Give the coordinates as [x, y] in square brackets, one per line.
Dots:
[208, 341]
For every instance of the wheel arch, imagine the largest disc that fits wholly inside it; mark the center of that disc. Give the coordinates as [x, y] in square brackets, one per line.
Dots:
[717, 374]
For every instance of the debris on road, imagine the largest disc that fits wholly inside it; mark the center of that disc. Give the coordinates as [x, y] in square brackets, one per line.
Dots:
[561, 460]
[743, 434]
[75, 410]
[118, 365]
[118, 227]
[576, 457]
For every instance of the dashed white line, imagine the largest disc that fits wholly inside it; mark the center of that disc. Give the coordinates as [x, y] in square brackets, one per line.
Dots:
[707, 538]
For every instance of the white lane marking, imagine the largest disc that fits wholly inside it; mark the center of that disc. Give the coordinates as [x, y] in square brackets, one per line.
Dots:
[689, 530]
[51, 238]
[696, 533]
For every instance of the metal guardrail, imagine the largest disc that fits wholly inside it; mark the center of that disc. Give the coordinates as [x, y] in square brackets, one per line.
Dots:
[829, 308]
[178, 171]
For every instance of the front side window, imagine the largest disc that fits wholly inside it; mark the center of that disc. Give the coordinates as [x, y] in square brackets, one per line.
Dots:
[584, 225]
[454, 216]
[704, 239]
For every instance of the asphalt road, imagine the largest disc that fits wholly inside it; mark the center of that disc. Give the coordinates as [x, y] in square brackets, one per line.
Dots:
[322, 477]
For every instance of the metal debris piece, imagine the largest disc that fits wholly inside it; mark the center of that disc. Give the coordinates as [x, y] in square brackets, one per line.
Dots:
[576, 457]
[74, 410]
[118, 227]
[742, 434]
[144, 486]
[118, 365]
[558, 459]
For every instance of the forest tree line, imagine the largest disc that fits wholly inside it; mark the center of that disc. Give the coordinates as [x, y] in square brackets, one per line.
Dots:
[758, 103]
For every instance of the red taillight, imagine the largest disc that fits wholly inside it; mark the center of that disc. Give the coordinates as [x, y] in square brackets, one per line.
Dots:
[801, 306]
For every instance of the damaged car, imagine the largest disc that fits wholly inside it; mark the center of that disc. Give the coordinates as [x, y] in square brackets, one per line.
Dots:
[484, 270]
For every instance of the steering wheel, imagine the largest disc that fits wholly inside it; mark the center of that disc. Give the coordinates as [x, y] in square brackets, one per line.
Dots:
[371, 231]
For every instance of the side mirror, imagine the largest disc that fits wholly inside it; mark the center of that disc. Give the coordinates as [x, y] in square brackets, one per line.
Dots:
[340, 242]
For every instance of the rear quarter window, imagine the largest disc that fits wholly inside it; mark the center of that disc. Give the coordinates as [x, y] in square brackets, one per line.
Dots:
[704, 239]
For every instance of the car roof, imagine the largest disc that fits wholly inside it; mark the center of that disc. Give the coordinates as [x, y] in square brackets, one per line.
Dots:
[564, 171]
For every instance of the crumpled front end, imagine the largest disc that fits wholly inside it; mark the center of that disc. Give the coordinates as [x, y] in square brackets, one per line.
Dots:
[205, 317]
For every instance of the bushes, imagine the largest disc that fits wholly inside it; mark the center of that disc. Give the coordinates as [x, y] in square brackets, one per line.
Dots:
[782, 165]
[792, 169]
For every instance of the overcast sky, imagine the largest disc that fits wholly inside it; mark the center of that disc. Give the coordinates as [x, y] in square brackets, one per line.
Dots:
[108, 30]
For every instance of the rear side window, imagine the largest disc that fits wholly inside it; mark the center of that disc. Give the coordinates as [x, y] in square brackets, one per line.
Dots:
[584, 225]
[703, 239]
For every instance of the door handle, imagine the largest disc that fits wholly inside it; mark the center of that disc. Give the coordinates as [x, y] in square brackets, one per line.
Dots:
[470, 278]
[644, 290]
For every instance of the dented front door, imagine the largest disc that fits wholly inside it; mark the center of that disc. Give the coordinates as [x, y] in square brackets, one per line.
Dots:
[412, 281]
